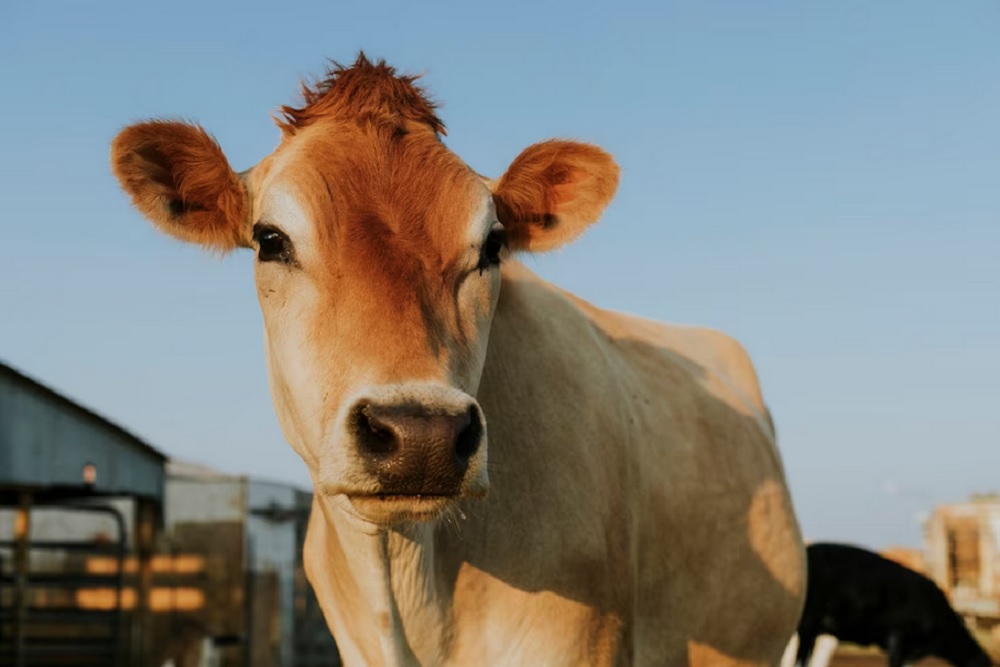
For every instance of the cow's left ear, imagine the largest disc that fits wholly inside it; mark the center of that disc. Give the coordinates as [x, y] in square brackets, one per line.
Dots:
[552, 192]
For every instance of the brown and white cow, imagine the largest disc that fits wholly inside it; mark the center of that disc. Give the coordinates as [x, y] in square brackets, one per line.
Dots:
[504, 473]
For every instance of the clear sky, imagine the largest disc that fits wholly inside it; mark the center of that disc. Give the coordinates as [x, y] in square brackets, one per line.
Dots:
[820, 179]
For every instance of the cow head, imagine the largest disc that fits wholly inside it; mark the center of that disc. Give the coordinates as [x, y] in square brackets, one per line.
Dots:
[955, 643]
[377, 270]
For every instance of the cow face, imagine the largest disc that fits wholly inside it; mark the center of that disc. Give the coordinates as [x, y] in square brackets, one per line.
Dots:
[378, 256]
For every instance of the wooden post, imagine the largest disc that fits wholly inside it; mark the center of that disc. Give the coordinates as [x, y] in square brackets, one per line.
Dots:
[145, 533]
[22, 536]
[248, 601]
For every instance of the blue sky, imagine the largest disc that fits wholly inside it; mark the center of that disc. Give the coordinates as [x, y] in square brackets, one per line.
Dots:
[820, 179]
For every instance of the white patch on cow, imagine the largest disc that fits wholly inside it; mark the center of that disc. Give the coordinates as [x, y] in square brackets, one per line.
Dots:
[788, 657]
[482, 219]
[825, 647]
[823, 650]
[282, 209]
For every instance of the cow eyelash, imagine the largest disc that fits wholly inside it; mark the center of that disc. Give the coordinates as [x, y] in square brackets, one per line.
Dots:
[273, 245]
[489, 254]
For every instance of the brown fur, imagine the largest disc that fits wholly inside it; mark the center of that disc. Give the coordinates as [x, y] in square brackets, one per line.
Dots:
[391, 214]
[553, 191]
[637, 511]
[363, 92]
[179, 178]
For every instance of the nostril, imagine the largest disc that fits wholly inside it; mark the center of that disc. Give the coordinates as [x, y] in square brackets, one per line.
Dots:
[469, 436]
[375, 436]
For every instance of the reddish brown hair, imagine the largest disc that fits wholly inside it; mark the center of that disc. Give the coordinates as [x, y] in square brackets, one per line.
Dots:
[178, 177]
[553, 191]
[364, 91]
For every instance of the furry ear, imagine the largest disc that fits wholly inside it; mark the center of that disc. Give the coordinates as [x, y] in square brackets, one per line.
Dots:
[178, 177]
[552, 192]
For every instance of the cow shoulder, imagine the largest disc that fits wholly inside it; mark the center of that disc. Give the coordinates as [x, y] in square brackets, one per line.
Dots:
[727, 357]
[714, 354]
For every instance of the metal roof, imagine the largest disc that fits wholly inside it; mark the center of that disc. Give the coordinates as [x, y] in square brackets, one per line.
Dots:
[46, 439]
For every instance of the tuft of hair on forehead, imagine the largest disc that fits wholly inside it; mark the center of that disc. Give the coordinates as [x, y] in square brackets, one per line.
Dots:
[366, 91]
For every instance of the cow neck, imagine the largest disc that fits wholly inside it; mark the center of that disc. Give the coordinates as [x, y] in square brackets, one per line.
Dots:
[395, 572]
[421, 603]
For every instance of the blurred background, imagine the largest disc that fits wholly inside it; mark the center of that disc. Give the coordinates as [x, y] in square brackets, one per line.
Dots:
[817, 179]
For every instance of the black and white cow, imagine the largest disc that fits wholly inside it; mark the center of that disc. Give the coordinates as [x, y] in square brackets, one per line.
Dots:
[860, 597]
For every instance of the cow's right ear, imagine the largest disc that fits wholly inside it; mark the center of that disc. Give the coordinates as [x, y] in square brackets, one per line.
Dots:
[178, 177]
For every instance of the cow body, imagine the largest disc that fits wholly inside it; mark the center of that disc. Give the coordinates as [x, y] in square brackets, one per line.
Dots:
[860, 597]
[504, 474]
[645, 523]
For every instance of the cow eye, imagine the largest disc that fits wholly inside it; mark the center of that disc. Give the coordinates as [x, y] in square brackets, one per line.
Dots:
[272, 244]
[494, 243]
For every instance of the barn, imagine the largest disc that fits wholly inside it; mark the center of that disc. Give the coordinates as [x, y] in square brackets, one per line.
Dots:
[73, 485]
[112, 554]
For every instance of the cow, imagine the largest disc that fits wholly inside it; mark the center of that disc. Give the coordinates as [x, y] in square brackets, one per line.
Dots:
[503, 475]
[861, 597]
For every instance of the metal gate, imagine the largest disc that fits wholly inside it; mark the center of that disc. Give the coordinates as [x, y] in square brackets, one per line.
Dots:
[57, 616]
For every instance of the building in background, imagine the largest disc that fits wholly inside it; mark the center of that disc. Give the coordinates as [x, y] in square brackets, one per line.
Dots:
[963, 554]
[246, 536]
[110, 555]
[73, 486]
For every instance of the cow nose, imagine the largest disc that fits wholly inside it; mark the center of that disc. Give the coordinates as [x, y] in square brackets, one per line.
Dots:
[413, 450]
